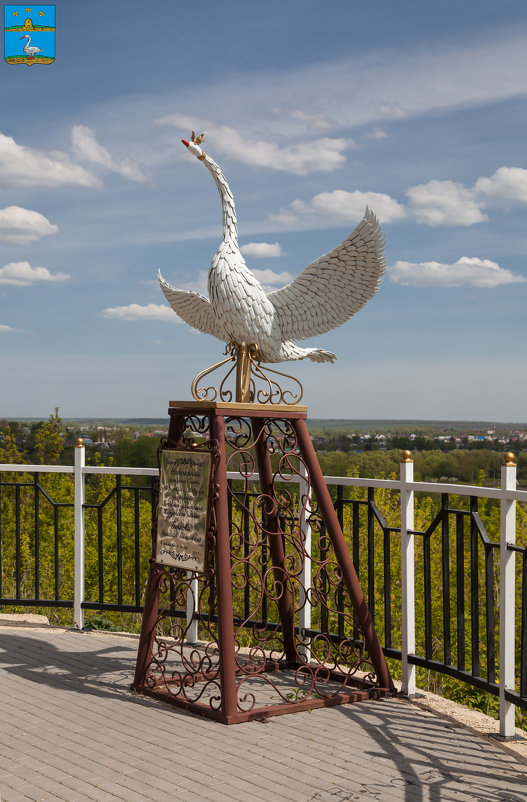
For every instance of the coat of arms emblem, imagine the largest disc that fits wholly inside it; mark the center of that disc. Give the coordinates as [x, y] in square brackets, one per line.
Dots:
[29, 34]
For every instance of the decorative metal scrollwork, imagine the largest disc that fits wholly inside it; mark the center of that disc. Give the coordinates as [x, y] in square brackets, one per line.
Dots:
[253, 383]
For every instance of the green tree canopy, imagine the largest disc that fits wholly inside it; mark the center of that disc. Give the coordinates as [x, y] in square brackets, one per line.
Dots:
[48, 440]
[10, 454]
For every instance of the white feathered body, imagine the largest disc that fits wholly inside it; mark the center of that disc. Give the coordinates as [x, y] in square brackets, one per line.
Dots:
[327, 293]
[240, 303]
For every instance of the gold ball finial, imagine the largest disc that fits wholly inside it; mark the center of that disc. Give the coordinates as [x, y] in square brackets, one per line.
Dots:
[509, 460]
[80, 442]
[407, 456]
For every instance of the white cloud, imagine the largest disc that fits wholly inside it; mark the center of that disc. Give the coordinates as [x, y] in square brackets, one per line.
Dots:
[87, 148]
[445, 203]
[316, 121]
[506, 182]
[436, 203]
[370, 87]
[390, 111]
[262, 250]
[200, 284]
[349, 206]
[270, 280]
[284, 218]
[21, 274]
[4, 329]
[473, 272]
[22, 226]
[382, 83]
[366, 88]
[376, 133]
[138, 312]
[449, 203]
[317, 155]
[22, 166]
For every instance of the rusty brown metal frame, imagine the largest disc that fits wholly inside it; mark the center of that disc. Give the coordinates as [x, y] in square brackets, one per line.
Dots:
[217, 667]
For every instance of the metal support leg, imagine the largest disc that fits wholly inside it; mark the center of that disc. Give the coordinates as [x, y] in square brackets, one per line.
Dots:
[148, 628]
[272, 526]
[223, 569]
[342, 554]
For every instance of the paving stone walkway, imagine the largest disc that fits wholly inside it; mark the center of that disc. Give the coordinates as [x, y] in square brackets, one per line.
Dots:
[71, 730]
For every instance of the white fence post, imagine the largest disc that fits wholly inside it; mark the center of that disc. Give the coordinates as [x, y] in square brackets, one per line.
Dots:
[192, 607]
[304, 601]
[507, 596]
[407, 574]
[78, 564]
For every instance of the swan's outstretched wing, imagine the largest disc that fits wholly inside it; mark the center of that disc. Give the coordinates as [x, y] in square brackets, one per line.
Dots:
[194, 309]
[334, 287]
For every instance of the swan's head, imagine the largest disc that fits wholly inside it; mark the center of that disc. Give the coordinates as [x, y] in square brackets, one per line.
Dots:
[194, 145]
[26, 36]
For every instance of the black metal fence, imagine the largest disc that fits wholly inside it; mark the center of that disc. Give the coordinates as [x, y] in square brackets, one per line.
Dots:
[458, 561]
[28, 564]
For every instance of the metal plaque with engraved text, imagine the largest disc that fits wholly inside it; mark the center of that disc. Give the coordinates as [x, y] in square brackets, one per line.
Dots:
[184, 509]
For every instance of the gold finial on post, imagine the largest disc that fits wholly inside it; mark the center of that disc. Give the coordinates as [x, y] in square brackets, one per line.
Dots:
[80, 443]
[509, 460]
[407, 456]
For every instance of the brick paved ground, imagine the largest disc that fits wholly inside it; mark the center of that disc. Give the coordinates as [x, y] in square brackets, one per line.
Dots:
[71, 730]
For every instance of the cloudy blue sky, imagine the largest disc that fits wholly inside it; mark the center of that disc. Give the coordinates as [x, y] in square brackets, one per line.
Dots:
[313, 111]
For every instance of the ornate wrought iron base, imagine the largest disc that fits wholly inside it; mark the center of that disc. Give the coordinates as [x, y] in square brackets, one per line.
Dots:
[254, 383]
[272, 553]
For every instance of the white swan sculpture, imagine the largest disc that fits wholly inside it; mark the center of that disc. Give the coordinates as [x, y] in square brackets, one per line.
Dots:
[326, 294]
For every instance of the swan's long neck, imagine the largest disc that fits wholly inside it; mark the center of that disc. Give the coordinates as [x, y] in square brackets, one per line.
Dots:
[230, 225]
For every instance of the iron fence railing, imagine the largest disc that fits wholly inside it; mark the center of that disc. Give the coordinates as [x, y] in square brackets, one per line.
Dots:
[445, 591]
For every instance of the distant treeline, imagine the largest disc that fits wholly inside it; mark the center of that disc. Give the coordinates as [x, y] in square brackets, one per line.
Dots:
[340, 453]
